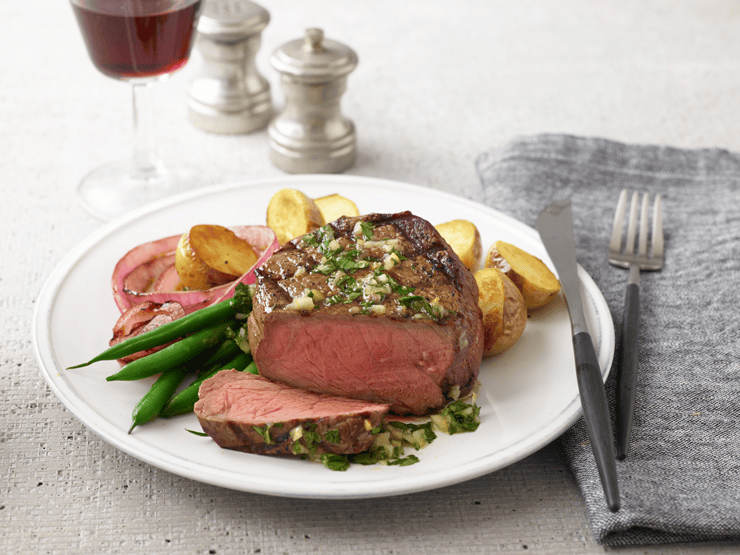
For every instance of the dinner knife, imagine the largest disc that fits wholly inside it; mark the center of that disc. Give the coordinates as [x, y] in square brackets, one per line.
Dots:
[555, 224]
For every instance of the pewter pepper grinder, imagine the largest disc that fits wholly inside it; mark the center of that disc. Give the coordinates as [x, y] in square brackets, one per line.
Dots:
[229, 95]
[310, 135]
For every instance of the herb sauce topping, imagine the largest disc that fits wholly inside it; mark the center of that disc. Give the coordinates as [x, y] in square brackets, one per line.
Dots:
[360, 270]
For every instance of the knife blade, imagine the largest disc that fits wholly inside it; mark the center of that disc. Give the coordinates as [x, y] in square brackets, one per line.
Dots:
[555, 225]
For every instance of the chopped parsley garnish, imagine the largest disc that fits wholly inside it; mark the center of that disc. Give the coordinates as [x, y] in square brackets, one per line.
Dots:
[349, 264]
[326, 268]
[405, 461]
[240, 337]
[410, 429]
[333, 461]
[334, 299]
[367, 230]
[365, 458]
[459, 417]
[243, 299]
[397, 288]
[353, 296]
[264, 432]
[391, 438]
[332, 436]
[398, 254]
[311, 240]
[417, 303]
[341, 265]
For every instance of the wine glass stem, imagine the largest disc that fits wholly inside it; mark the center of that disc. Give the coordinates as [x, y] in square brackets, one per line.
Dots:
[145, 156]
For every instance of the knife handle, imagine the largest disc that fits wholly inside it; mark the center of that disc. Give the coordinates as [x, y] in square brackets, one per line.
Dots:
[596, 416]
[628, 368]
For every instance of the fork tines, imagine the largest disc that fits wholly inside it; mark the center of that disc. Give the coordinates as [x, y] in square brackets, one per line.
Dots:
[622, 253]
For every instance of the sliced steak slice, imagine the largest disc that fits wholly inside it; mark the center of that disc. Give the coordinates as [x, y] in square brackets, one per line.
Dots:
[376, 307]
[249, 413]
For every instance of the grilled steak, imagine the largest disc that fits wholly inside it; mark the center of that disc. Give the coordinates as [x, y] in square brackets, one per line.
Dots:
[249, 413]
[376, 307]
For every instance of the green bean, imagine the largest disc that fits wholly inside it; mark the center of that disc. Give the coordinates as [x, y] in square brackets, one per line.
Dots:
[156, 398]
[183, 402]
[252, 368]
[240, 303]
[173, 355]
[227, 350]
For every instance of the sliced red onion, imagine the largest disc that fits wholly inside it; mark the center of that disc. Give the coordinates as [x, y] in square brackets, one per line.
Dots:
[146, 273]
[146, 277]
[168, 280]
[140, 319]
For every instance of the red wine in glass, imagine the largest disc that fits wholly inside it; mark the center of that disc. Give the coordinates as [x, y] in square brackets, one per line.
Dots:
[137, 39]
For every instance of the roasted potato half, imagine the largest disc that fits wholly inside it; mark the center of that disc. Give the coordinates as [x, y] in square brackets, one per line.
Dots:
[464, 238]
[210, 255]
[531, 276]
[504, 311]
[291, 213]
[335, 206]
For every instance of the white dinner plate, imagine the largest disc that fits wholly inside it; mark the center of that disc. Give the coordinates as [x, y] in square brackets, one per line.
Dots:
[528, 394]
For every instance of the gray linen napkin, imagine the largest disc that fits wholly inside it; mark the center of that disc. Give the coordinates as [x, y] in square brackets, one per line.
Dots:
[681, 479]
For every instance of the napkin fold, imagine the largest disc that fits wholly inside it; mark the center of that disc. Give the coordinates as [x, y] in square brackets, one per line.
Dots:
[681, 479]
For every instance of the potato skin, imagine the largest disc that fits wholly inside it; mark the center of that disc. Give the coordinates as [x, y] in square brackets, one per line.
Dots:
[334, 206]
[220, 249]
[291, 213]
[193, 271]
[531, 276]
[464, 238]
[504, 311]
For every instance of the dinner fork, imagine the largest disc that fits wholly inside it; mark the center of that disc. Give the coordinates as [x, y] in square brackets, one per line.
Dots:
[623, 254]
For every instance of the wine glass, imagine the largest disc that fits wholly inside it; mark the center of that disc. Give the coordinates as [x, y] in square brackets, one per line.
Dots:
[139, 41]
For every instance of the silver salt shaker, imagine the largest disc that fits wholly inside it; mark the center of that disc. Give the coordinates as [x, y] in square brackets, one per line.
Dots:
[310, 135]
[229, 95]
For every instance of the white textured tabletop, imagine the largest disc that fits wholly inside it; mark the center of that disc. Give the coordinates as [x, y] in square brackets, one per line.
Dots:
[438, 83]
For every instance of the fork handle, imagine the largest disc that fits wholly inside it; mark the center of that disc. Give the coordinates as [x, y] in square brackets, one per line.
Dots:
[627, 381]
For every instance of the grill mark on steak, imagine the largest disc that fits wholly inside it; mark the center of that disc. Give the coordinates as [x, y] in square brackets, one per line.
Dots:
[295, 339]
[425, 240]
[249, 413]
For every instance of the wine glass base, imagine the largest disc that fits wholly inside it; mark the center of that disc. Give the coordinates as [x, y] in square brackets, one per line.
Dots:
[119, 187]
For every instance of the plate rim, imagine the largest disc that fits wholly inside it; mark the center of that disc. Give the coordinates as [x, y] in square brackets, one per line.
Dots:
[41, 335]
